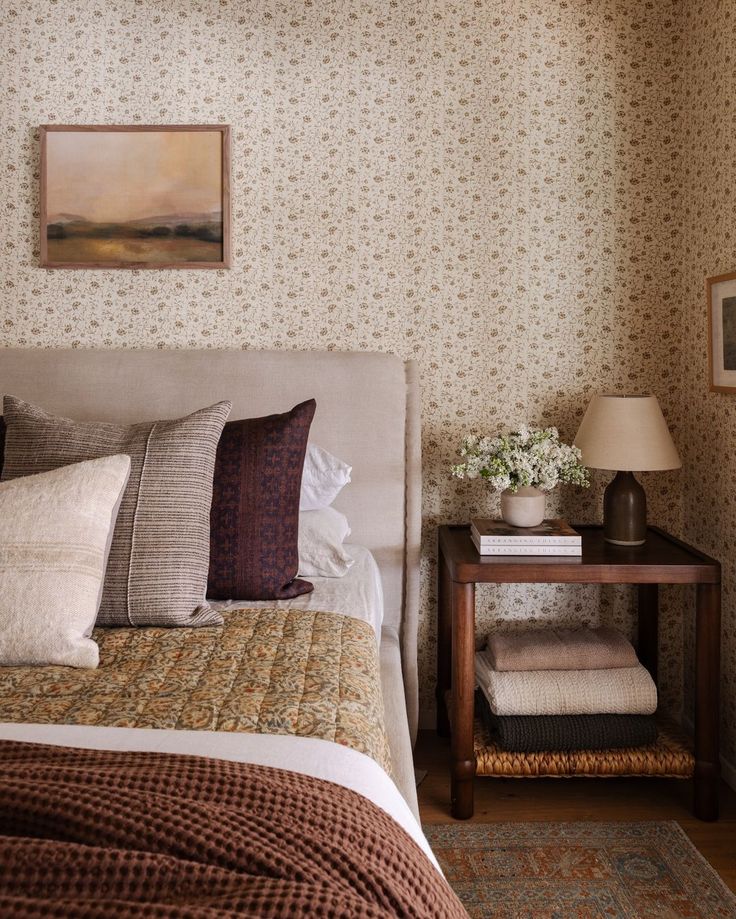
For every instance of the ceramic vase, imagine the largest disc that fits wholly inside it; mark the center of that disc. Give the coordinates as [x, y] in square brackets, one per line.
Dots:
[523, 508]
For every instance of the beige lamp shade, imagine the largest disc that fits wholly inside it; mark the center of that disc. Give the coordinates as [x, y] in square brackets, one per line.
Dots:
[626, 433]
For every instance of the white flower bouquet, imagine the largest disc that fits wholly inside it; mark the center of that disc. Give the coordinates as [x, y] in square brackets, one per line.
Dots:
[527, 457]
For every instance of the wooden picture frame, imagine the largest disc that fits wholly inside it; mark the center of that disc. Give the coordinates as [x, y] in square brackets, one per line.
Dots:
[171, 208]
[721, 294]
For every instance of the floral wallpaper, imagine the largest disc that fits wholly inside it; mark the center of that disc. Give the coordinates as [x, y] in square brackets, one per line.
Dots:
[490, 187]
[707, 185]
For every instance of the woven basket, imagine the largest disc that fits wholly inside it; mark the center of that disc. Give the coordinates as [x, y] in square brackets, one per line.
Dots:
[669, 757]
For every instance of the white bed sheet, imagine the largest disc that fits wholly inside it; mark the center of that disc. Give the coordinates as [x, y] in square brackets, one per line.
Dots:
[358, 594]
[305, 755]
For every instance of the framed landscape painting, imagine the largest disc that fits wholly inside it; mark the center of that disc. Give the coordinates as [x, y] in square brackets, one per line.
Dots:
[722, 332]
[135, 196]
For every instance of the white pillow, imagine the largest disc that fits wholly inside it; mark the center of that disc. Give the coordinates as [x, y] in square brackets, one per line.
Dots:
[321, 550]
[323, 478]
[55, 534]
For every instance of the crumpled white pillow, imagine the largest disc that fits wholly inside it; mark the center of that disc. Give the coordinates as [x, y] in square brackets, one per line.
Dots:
[323, 478]
[55, 533]
[321, 550]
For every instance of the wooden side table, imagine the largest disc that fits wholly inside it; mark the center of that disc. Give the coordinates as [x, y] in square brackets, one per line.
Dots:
[661, 560]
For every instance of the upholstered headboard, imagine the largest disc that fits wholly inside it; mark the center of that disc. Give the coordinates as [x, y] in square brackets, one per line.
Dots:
[367, 413]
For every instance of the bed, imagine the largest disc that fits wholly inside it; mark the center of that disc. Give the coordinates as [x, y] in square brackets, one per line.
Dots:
[368, 414]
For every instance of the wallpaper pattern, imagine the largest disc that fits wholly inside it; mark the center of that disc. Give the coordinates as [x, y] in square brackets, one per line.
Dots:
[708, 247]
[488, 186]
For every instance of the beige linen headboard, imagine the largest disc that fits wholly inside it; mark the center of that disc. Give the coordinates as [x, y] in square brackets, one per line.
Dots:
[367, 413]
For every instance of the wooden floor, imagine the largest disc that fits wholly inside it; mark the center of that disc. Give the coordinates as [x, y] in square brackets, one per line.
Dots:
[518, 800]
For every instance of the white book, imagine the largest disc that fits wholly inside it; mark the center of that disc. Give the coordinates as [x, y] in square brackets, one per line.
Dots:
[566, 543]
[527, 549]
[489, 532]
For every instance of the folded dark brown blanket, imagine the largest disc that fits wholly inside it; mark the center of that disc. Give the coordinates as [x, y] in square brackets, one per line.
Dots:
[90, 833]
[539, 733]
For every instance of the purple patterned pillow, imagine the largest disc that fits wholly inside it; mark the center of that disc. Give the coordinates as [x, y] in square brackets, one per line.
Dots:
[254, 522]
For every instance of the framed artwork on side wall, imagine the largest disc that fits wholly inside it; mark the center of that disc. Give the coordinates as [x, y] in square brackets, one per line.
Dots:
[722, 332]
[135, 196]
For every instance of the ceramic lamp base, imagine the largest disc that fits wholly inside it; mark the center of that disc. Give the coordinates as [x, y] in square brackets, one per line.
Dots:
[625, 511]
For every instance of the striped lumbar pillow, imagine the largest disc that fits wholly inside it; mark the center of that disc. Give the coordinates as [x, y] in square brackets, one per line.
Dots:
[54, 536]
[157, 571]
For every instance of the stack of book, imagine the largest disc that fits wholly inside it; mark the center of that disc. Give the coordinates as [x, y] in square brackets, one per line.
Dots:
[551, 537]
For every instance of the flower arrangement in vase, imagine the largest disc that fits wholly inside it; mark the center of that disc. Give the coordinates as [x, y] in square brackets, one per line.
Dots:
[524, 465]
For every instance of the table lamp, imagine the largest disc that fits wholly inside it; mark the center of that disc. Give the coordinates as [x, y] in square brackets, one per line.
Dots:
[626, 434]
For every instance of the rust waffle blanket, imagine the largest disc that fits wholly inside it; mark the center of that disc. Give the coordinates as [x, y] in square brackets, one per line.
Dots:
[266, 671]
[94, 834]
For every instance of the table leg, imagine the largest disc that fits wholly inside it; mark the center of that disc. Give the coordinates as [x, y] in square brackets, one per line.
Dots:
[648, 644]
[707, 680]
[444, 645]
[463, 690]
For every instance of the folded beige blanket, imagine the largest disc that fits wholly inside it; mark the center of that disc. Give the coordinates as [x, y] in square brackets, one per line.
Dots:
[618, 691]
[560, 649]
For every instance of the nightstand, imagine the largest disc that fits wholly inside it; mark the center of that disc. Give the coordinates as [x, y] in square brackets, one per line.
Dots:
[661, 560]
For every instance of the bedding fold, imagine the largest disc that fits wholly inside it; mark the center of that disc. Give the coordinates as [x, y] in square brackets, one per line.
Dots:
[560, 649]
[267, 671]
[617, 691]
[561, 733]
[99, 833]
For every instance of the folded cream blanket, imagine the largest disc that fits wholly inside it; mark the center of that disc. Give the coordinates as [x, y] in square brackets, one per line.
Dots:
[560, 649]
[618, 691]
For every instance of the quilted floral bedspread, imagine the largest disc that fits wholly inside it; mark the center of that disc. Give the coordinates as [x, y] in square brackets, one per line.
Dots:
[266, 671]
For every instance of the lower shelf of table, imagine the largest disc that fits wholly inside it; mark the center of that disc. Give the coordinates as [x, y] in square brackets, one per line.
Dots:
[670, 757]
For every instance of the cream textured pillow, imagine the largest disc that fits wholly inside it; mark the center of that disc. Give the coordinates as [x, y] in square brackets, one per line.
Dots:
[157, 572]
[55, 533]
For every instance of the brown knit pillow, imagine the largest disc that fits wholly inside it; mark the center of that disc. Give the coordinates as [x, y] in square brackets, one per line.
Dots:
[254, 549]
[157, 568]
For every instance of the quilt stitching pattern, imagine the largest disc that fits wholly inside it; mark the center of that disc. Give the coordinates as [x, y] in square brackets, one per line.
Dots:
[275, 671]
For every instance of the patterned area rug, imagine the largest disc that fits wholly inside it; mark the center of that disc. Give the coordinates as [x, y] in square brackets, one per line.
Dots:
[579, 871]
